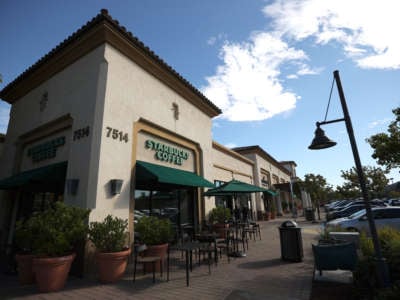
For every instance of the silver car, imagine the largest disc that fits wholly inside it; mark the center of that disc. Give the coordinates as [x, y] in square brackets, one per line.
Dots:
[383, 216]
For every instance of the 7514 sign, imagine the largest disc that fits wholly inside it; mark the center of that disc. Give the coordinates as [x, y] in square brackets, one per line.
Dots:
[116, 134]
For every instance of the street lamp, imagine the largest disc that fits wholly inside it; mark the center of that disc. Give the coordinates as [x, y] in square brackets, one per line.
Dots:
[320, 141]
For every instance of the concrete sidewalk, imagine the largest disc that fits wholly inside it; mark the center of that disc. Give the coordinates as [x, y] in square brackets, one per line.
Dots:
[260, 275]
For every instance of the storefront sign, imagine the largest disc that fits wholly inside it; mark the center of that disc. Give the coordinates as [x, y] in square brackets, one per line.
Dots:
[46, 150]
[167, 153]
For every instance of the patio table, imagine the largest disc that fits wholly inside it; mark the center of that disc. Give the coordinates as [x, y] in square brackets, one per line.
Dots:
[188, 247]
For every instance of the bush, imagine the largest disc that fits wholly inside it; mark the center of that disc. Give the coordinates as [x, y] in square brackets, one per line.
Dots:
[23, 237]
[219, 214]
[57, 230]
[154, 231]
[365, 280]
[109, 235]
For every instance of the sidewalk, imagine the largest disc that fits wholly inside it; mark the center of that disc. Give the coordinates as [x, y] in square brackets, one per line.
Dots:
[260, 275]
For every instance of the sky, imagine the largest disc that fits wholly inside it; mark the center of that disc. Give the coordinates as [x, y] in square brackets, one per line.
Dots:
[267, 64]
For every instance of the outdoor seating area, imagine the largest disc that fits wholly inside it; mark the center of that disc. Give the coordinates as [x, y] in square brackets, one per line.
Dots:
[192, 250]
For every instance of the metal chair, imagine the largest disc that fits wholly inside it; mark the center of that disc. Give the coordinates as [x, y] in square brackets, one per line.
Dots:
[139, 258]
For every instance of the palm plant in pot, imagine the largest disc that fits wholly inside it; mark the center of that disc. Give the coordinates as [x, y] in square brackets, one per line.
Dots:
[109, 237]
[55, 233]
[218, 217]
[155, 233]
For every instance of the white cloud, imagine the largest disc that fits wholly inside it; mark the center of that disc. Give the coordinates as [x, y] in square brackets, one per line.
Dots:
[220, 37]
[248, 84]
[230, 145]
[377, 123]
[367, 29]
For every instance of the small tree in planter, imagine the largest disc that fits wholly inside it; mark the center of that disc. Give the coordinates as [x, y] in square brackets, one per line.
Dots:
[156, 234]
[109, 237]
[24, 238]
[218, 217]
[55, 232]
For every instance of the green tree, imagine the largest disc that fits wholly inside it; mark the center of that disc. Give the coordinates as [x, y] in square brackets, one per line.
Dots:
[375, 180]
[317, 187]
[387, 145]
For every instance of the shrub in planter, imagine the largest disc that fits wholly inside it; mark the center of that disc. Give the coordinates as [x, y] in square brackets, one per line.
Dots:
[154, 231]
[156, 234]
[109, 237]
[220, 215]
[55, 232]
[23, 238]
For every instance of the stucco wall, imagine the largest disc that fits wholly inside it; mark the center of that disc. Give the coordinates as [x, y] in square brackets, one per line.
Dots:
[227, 167]
[133, 94]
[74, 91]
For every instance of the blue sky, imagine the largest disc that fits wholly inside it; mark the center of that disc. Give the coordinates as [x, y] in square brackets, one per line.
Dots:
[267, 64]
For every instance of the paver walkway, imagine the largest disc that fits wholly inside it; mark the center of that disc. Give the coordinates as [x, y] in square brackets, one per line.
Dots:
[260, 275]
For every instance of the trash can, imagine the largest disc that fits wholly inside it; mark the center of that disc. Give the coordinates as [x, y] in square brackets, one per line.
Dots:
[310, 216]
[291, 241]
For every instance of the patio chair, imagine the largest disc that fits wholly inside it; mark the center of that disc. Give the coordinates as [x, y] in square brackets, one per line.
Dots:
[139, 258]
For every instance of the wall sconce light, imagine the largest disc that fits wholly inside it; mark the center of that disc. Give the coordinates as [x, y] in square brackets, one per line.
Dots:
[72, 186]
[116, 185]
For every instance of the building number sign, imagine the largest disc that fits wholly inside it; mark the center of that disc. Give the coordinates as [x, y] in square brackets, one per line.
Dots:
[81, 133]
[116, 134]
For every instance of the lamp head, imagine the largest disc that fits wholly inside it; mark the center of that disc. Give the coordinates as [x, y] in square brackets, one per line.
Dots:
[321, 141]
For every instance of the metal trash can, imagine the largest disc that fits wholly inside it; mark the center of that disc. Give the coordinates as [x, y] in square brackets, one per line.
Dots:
[310, 215]
[291, 241]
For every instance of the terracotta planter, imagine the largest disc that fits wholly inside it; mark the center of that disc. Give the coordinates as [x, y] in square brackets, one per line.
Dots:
[220, 229]
[156, 250]
[111, 266]
[51, 272]
[24, 267]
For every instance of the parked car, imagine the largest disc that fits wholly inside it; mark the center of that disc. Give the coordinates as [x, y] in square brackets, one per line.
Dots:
[383, 216]
[344, 212]
[334, 204]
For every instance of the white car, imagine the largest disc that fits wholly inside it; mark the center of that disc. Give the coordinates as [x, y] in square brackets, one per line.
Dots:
[383, 216]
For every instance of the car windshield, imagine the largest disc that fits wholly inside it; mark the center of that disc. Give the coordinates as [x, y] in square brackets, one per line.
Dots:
[357, 214]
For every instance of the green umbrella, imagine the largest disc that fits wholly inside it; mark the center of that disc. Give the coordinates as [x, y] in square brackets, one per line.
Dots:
[236, 187]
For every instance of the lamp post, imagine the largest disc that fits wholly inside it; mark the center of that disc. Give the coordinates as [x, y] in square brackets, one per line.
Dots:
[321, 142]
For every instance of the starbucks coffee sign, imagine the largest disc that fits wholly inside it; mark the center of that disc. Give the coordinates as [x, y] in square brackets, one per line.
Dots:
[167, 153]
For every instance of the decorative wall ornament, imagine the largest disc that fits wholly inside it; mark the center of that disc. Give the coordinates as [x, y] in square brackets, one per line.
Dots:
[43, 101]
[175, 109]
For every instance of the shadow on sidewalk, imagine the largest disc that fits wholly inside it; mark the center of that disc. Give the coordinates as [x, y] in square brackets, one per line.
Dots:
[263, 264]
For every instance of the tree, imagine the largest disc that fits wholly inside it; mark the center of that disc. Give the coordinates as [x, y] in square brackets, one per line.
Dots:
[317, 187]
[375, 181]
[387, 145]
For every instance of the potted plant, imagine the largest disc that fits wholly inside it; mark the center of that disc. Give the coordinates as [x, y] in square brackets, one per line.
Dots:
[155, 233]
[109, 237]
[218, 217]
[23, 238]
[55, 232]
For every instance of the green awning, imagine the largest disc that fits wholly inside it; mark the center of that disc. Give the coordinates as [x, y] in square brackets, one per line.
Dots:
[48, 175]
[151, 176]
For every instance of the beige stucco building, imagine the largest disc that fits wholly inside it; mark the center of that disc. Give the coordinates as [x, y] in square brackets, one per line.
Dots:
[104, 117]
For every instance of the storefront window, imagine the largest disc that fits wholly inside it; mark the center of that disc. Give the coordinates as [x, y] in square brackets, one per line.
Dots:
[175, 205]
